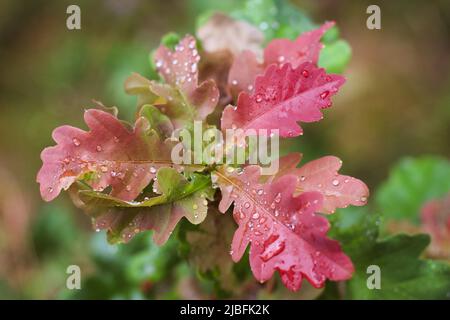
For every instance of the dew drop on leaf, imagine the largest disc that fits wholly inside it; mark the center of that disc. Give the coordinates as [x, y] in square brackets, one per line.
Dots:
[76, 142]
[324, 94]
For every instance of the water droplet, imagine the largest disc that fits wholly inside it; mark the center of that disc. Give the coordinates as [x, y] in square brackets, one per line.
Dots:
[234, 82]
[99, 148]
[363, 199]
[278, 198]
[260, 191]
[324, 94]
[159, 64]
[273, 246]
[97, 230]
[128, 188]
[50, 189]
[116, 140]
[258, 98]
[305, 73]
[194, 68]
[247, 205]
[152, 170]
[192, 44]
[277, 213]
[231, 252]
[302, 178]
[255, 215]
[335, 182]
[76, 142]
[230, 169]
[281, 59]
[175, 62]
[195, 206]
[263, 25]
[250, 87]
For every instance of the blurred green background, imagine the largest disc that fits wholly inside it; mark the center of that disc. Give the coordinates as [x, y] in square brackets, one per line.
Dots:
[396, 103]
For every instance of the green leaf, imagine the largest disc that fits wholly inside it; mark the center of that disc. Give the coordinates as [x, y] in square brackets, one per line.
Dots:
[170, 40]
[335, 56]
[276, 18]
[411, 183]
[173, 198]
[403, 274]
[157, 120]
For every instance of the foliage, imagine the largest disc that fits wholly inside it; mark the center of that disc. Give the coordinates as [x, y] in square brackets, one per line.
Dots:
[124, 177]
[410, 184]
[404, 275]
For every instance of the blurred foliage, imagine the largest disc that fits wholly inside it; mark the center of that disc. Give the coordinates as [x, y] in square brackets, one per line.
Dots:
[403, 274]
[412, 183]
[53, 231]
[129, 271]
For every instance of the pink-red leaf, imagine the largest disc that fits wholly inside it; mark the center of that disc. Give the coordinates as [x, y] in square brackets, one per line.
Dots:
[283, 230]
[282, 97]
[305, 48]
[321, 175]
[180, 70]
[110, 154]
[246, 67]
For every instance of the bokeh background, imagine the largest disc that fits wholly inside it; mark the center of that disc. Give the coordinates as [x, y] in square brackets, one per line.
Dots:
[396, 103]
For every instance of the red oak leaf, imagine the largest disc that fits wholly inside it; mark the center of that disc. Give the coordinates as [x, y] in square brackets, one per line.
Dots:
[246, 67]
[243, 73]
[321, 175]
[282, 97]
[283, 230]
[180, 70]
[110, 154]
[305, 48]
